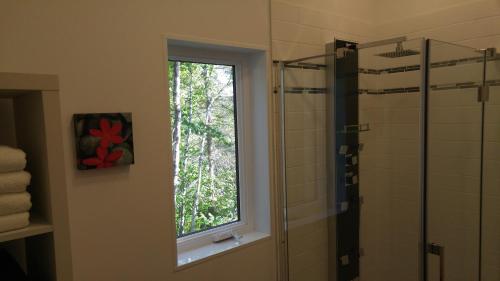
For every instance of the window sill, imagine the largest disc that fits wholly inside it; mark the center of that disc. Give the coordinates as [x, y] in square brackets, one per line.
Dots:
[204, 252]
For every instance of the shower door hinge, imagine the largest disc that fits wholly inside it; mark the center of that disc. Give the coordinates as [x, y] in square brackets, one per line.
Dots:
[361, 200]
[434, 249]
[483, 93]
[361, 252]
[491, 52]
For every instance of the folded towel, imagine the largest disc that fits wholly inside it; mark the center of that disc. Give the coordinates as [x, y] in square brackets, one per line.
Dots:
[14, 182]
[11, 159]
[15, 221]
[13, 203]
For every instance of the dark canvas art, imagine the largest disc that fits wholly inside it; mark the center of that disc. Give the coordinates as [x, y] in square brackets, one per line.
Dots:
[103, 140]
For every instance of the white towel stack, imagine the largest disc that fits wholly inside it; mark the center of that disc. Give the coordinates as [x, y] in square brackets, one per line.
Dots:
[15, 202]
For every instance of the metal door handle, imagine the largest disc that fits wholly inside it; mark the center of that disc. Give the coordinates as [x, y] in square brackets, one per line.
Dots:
[438, 250]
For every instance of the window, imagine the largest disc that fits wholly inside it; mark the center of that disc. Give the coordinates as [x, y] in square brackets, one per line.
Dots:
[219, 107]
[204, 119]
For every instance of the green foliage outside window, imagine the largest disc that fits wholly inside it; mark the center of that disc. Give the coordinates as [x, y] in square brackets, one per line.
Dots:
[204, 147]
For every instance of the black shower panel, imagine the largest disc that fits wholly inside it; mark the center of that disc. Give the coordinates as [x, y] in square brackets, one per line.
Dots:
[343, 186]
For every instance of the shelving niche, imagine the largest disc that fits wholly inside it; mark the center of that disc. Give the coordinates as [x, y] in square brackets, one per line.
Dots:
[30, 119]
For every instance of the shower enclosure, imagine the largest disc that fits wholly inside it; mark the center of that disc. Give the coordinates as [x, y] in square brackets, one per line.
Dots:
[390, 157]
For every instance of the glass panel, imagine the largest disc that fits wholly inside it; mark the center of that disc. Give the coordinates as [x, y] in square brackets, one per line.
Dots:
[454, 161]
[305, 164]
[389, 163]
[384, 116]
[386, 112]
[491, 176]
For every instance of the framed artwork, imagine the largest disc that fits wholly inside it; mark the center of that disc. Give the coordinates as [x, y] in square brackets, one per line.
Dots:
[103, 140]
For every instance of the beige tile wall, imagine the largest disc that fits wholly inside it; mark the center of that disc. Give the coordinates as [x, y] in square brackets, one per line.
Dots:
[308, 252]
[389, 183]
[306, 184]
[454, 144]
[390, 170]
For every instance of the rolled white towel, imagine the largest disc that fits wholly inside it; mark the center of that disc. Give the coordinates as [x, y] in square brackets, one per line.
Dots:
[13, 203]
[11, 159]
[15, 221]
[14, 182]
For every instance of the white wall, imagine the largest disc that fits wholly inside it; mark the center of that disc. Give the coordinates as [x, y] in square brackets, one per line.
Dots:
[109, 57]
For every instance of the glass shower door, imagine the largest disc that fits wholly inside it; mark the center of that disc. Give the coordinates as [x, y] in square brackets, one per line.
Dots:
[454, 145]
[490, 257]
[304, 130]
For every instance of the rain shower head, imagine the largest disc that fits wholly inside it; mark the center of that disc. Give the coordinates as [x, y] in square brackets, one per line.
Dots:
[399, 52]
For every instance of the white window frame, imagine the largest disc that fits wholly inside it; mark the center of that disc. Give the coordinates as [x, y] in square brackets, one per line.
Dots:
[246, 222]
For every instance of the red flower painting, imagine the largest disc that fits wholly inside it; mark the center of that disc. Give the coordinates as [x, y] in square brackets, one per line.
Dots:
[108, 134]
[103, 140]
[103, 159]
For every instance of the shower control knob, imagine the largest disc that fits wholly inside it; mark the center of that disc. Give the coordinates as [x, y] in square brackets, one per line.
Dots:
[343, 149]
[344, 260]
[351, 178]
[344, 206]
[351, 160]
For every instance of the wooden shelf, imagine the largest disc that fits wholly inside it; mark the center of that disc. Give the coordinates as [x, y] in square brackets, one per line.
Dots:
[36, 227]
